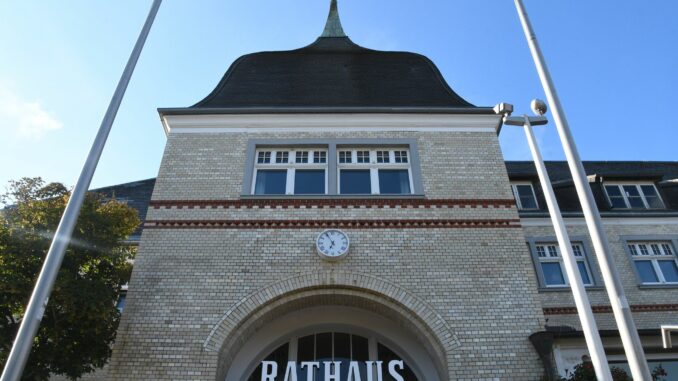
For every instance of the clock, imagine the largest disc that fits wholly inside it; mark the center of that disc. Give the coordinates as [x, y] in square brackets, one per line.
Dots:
[332, 244]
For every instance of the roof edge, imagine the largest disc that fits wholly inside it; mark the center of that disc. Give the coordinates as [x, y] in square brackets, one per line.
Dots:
[325, 110]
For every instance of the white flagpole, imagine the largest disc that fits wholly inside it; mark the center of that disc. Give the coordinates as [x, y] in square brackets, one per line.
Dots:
[21, 348]
[620, 305]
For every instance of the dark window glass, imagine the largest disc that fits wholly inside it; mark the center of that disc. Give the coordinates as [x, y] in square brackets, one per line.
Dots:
[323, 352]
[632, 194]
[553, 274]
[309, 181]
[615, 195]
[280, 356]
[526, 196]
[651, 196]
[355, 181]
[360, 352]
[394, 181]
[120, 305]
[270, 181]
[305, 352]
[584, 274]
[669, 270]
[386, 355]
[646, 272]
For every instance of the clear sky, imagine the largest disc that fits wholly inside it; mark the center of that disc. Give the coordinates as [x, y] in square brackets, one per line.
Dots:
[614, 63]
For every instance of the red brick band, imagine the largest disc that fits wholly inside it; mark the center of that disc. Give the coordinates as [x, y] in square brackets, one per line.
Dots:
[321, 224]
[608, 309]
[334, 203]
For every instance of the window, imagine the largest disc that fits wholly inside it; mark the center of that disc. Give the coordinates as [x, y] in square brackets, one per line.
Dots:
[375, 171]
[333, 346]
[525, 196]
[552, 269]
[290, 171]
[655, 262]
[332, 167]
[633, 196]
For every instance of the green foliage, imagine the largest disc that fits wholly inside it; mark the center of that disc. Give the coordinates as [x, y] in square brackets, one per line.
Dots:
[80, 321]
[585, 372]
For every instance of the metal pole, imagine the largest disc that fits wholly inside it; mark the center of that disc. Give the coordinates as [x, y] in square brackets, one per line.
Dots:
[21, 348]
[620, 305]
[581, 300]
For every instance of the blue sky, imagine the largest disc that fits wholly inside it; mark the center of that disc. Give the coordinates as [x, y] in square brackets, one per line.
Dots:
[614, 64]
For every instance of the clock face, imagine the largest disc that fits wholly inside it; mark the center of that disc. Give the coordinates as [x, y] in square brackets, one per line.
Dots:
[332, 244]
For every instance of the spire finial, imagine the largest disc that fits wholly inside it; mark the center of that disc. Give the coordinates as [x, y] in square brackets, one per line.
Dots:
[333, 26]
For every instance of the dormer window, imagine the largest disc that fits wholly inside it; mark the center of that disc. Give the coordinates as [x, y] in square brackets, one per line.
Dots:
[525, 196]
[633, 196]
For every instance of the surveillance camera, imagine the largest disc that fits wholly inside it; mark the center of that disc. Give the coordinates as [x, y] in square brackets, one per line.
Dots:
[504, 109]
[538, 107]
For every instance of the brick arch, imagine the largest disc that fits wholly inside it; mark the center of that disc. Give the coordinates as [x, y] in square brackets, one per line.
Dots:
[330, 287]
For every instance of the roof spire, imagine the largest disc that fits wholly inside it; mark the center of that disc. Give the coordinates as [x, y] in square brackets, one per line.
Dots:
[333, 26]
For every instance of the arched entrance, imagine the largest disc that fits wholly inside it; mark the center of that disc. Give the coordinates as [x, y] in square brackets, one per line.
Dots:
[333, 333]
[352, 303]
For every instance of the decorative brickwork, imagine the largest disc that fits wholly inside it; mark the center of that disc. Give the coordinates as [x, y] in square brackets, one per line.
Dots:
[336, 203]
[322, 224]
[608, 309]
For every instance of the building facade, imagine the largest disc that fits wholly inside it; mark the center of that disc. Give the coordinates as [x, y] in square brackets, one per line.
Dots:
[335, 211]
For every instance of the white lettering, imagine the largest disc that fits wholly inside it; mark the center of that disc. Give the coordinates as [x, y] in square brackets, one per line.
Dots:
[370, 371]
[291, 371]
[269, 370]
[337, 370]
[353, 371]
[392, 371]
[309, 368]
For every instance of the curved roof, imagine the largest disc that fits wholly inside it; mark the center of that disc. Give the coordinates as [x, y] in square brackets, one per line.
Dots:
[333, 72]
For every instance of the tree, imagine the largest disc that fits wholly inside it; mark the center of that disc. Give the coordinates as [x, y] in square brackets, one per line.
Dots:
[80, 321]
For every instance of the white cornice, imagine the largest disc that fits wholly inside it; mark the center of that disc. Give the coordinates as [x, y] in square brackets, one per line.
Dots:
[534, 222]
[343, 122]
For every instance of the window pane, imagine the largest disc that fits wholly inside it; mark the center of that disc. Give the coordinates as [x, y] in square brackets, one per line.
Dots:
[401, 156]
[383, 157]
[646, 272]
[282, 157]
[355, 181]
[553, 274]
[363, 156]
[270, 182]
[344, 156]
[669, 270]
[616, 197]
[302, 157]
[309, 181]
[264, 157]
[360, 352]
[635, 200]
[526, 196]
[394, 181]
[320, 157]
[584, 274]
[280, 356]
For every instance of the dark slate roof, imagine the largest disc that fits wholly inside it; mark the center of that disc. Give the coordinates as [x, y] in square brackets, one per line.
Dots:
[332, 73]
[136, 194]
[663, 173]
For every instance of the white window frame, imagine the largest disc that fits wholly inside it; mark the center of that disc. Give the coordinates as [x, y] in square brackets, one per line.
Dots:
[621, 185]
[373, 166]
[636, 255]
[291, 166]
[559, 259]
[519, 204]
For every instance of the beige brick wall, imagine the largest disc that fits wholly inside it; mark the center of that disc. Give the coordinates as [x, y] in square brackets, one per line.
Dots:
[477, 282]
[636, 295]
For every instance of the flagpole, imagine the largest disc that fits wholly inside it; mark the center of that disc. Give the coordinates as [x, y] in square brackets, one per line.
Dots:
[620, 305]
[30, 323]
